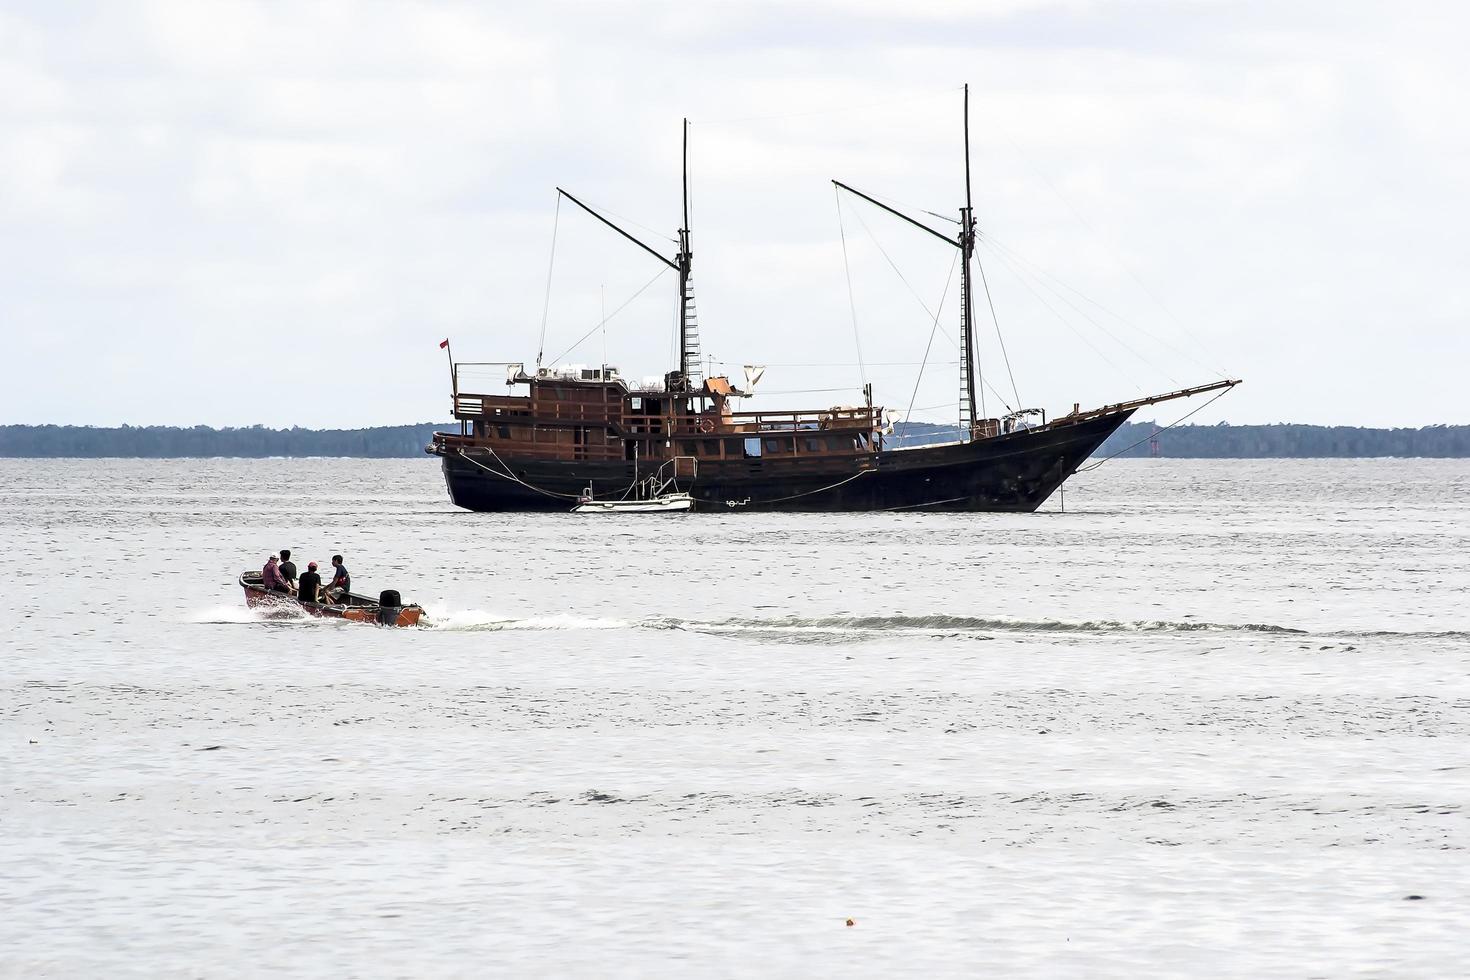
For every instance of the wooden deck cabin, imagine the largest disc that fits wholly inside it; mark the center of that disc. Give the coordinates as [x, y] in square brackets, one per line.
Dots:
[592, 414]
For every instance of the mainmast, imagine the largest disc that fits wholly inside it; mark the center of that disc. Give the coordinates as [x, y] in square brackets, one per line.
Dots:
[969, 420]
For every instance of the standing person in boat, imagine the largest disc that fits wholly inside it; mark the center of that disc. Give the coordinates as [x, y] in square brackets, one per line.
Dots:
[310, 584]
[288, 568]
[271, 578]
[341, 582]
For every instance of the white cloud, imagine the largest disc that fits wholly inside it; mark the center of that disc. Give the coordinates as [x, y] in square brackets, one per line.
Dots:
[186, 185]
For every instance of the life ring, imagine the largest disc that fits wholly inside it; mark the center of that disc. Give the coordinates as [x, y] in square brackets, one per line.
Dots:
[706, 425]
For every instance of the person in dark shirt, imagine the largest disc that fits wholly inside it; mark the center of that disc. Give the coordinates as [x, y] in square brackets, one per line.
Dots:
[309, 585]
[341, 582]
[288, 568]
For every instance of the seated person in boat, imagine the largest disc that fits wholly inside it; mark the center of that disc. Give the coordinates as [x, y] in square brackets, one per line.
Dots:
[308, 588]
[272, 579]
[341, 582]
[288, 568]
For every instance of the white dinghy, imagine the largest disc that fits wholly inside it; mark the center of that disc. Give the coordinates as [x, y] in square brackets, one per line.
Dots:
[659, 494]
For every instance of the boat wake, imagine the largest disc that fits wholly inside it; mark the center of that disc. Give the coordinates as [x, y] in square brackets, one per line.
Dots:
[479, 621]
[241, 616]
[820, 629]
[949, 624]
[981, 627]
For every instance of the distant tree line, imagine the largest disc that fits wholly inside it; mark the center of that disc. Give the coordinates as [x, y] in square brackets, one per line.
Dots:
[389, 441]
[162, 441]
[1250, 441]
[1286, 439]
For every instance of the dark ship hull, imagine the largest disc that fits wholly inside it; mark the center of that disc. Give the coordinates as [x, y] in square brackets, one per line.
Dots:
[1014, 472]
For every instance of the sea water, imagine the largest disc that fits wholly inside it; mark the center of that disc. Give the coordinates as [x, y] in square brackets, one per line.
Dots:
[1211, 718]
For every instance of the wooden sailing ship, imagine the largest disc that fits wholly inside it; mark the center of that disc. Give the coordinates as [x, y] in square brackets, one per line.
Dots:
[589, 433]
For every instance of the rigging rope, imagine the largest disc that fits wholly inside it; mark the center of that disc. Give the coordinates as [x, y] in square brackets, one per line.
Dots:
[1009, 255]
[603, 322]
[1093, 466]
[979, 366]
[1067, 323]
[507, 475]
[894, 266]
[993, 319]
[808, 493]
[932, 331]
[1117, 253]
[851, 303]
[550, 266]
[932, 314]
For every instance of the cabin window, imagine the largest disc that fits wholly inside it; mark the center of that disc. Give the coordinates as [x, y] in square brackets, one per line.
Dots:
[752, 448]
[635, 404]
[688, 447]
[503, 430]
[711, 447]
[778, 446]
[813, 445]
[838, 444]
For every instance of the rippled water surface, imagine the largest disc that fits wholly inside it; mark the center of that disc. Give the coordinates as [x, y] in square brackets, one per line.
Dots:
[1211, 720]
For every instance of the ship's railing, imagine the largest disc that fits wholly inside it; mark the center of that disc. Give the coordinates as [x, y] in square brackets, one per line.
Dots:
[470, 406]
[755, 422]
[831, 418]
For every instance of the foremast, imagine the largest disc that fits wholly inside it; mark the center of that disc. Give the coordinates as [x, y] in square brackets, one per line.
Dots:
[971, 420]
[968, 366]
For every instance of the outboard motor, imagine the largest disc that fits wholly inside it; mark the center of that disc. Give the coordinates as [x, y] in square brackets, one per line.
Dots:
[390, 604]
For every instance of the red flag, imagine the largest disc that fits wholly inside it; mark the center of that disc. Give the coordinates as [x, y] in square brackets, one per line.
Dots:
[444, 343]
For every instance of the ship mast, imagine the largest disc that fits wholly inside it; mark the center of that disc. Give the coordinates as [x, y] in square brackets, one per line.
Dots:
[688, 369]
[682, 378]
[970, 422]
[968, 369]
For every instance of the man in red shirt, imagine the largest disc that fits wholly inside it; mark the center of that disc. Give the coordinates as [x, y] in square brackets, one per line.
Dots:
[341, 582]
[272, 579]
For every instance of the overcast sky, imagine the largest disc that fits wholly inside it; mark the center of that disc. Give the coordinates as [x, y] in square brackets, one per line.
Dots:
[233, 212]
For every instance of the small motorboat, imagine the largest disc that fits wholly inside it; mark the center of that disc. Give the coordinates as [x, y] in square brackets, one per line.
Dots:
[387, 610]
[664, 504]
[659, 494]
